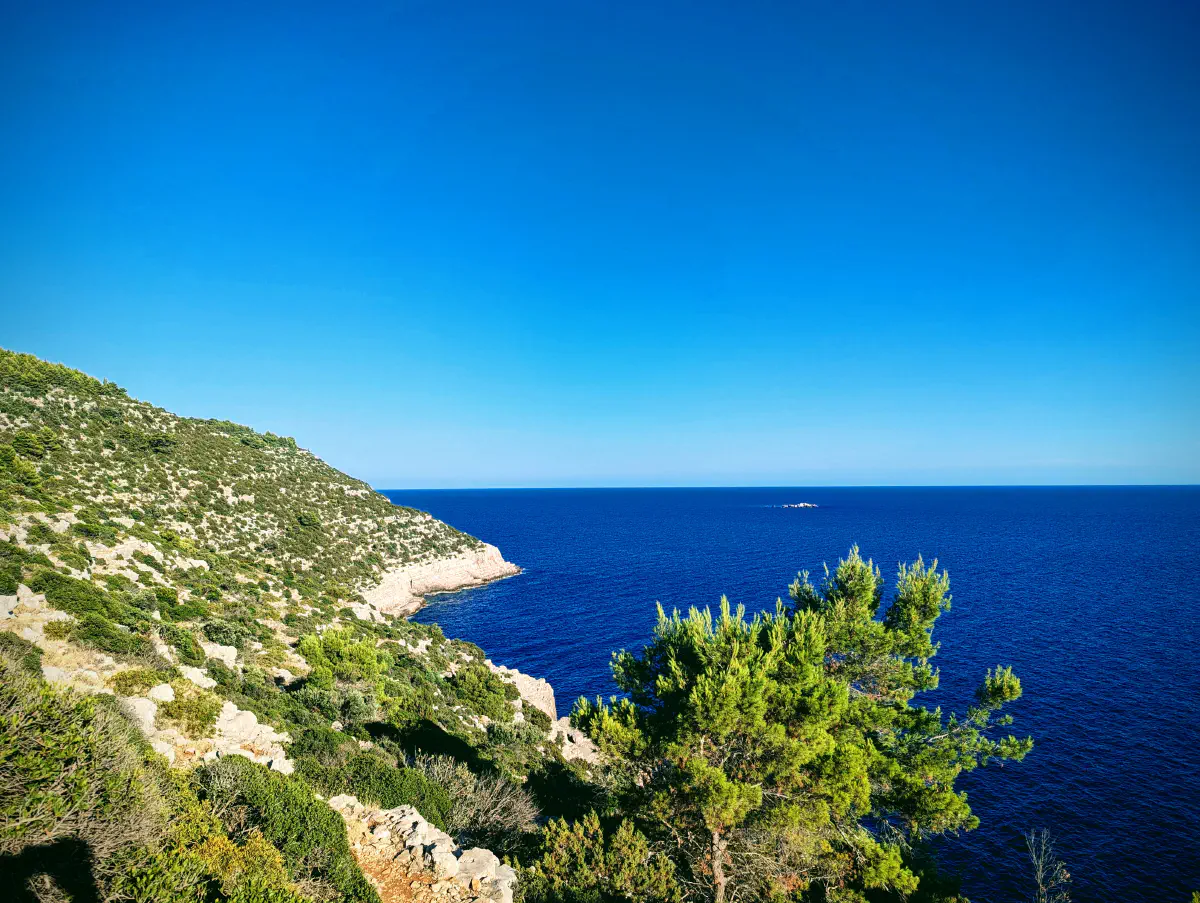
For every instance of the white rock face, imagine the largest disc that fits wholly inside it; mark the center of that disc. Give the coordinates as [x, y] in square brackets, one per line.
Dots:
[535, 691]
[240, 734]
[226, 654]
[162, 693]
[576, 744]
[402, 590]
[197, 676]
[383, 837]
[143, 711]
[54, 675]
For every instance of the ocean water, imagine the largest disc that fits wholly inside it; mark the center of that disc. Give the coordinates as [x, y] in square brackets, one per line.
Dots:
[1091, 594]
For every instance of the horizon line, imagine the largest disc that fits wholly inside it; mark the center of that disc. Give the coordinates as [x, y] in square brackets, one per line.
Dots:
[798, 486]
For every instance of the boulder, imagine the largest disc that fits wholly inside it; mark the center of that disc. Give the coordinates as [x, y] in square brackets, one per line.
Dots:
[143, 711]
[225, 654]
[197, 676]
[161, 693]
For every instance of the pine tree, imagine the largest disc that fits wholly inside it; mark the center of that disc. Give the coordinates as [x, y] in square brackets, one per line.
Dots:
[781, 756]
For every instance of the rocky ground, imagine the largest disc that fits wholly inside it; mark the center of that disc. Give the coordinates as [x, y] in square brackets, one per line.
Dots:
[406, 858]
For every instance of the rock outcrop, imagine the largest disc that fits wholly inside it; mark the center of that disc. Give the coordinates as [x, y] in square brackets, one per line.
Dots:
[236, 733]
[535, 691]
[402, 590]
[407, 858]
[575, 743]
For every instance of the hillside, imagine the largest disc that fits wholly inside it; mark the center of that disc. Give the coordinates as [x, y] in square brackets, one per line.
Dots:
[194, 593]
[207, 489]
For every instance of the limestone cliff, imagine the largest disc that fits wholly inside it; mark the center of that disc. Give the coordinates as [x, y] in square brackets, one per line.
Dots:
[402, 590]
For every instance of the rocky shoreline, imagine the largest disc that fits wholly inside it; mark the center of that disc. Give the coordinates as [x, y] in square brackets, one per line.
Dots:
[402, 590]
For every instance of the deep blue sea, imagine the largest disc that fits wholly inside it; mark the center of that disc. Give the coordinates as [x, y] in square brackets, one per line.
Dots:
[1091, 594]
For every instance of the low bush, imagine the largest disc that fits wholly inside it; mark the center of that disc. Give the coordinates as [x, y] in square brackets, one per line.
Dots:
[537, 718]
[483, 692]
[186, 645]
[193, 711]
[580, 863]
[98, 632]
[77, 597]
[226, 633]
[70, 766]
[58, 630]
[309, 835]
[485, 809]
[373, 780]
[22, 652]
[135, 681]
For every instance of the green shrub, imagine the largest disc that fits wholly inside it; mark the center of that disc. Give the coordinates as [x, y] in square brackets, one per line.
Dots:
[166, 595]
[135, 681]
[58, 630]
[581, 864]
[225, 633]
[73, 559]
[40, 535]
[9, 581]
[100, 532]
[192, 610]
[77, 597]
[98, 632]
[193, 711]
[187, 647]
[337, 654]
[536, 718]
[324, 745]
[21, 651]
[483, 692]
[70, 766]
[373, 780]
[27, 444]
[310, 836]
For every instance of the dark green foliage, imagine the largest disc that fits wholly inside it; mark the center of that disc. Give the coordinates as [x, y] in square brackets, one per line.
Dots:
[99, 532]
[98, 632]
[537, 719]
[167, 596]
[581, 863]
[776, 747]
[304, 829]
[187, 647]
[69, 766]
[77, 597]
[22, 652]
[27, 444]
[483, 692]
[9, 581]
[192, 610]
[373, 780]
[225, 633]
[39, 534]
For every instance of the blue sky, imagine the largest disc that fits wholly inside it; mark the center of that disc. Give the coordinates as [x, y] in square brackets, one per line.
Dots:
[516, 244]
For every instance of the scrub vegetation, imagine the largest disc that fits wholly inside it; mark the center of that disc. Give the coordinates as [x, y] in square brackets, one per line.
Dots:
[198, 568]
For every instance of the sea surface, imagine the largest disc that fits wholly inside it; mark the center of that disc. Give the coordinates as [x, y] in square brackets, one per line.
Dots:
[1091, 594]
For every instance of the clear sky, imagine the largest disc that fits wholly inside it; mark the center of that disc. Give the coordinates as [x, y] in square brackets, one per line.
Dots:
[569, 243]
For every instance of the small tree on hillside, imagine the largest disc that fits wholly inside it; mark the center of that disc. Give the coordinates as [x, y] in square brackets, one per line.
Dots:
[782, 756]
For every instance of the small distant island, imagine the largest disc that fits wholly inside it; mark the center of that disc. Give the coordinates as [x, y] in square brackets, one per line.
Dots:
[800, 505]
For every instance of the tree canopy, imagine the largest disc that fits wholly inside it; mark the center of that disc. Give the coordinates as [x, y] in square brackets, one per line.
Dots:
[782, 755]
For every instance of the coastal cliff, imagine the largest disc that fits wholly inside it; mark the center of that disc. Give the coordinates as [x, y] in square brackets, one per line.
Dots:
[402, 590]
[237, 600]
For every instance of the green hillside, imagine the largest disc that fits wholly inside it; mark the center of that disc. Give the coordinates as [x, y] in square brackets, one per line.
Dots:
[209, 489]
